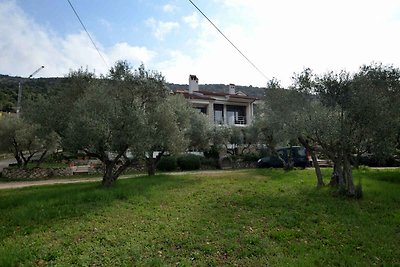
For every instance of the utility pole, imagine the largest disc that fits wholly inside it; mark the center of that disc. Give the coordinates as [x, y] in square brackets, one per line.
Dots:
[20, 91]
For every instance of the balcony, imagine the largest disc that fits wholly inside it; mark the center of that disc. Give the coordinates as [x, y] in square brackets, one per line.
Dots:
[238, 120]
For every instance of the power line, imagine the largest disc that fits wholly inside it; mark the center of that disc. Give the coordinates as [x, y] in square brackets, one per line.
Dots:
[90, 37]
[248, 60]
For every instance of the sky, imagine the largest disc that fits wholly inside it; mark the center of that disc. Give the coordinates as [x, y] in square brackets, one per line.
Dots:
[170, 36]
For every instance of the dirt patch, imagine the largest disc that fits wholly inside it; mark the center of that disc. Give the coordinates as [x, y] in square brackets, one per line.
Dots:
[208, 173]
[11, 185]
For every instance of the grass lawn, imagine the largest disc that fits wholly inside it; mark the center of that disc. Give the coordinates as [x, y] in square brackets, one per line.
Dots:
[243, 218]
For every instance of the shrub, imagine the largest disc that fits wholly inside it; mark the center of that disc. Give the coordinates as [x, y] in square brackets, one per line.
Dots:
[208, 163]
[250, 157]
[167, 164]
[212, 153]
[188, 162]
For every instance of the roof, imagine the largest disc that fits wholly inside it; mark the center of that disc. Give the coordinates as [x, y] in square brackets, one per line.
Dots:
[207, 95]
[195, 95]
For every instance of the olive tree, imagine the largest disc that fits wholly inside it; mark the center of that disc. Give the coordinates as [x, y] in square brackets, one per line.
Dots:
[277, 120]
[348, 114]
[127, 117]
[25, 140]
[165, 130]
[53, 111]
[108, 121]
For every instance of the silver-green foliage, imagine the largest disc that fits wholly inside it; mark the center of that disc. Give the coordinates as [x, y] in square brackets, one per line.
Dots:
[25, 140]
[340, 114]
[127, 117]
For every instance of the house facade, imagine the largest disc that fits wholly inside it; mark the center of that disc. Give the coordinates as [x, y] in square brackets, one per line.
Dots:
[226, 108]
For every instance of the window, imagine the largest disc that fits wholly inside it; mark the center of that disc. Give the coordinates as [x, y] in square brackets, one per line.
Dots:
[219, 114]
[201, 109]
[236, 115]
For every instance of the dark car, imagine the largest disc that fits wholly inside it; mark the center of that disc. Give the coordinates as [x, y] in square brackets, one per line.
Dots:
[299, 156]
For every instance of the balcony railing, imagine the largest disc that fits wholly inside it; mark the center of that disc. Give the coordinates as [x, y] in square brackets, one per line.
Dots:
[239, 120]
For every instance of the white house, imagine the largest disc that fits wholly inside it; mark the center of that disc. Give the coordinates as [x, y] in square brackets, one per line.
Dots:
[227, 108]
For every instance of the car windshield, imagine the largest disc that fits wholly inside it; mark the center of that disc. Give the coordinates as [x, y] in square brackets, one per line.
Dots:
[301, 151]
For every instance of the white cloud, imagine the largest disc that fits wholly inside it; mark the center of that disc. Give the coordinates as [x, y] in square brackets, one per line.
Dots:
[279, 37]
[161, 28]
[169, 8]
[283, 37]
[177, 67]
[26, 45]
[193, 20]
[123, 51]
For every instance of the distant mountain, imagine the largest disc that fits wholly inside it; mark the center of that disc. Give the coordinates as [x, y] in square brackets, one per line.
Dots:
[219, 88]
[32, 88]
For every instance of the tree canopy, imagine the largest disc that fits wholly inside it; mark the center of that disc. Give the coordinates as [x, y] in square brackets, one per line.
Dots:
[338, 114]
[25, 140]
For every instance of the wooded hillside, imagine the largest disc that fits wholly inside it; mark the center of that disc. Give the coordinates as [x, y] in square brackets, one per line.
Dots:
[32, 88]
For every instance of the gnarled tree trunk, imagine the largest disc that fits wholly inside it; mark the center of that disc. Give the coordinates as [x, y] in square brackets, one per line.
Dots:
[40, 161]
[111, 172]
[108, 176]
[320, 180]
[337, 178]
[311, 150]
[151, 166]
[16, 153]
[151, 163]
[348, 175]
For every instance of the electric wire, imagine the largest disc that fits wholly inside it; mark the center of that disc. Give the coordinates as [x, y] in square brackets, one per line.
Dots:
[248, 60]
[90, 37]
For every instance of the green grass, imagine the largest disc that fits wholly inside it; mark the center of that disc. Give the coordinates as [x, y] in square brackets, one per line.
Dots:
[242, 218]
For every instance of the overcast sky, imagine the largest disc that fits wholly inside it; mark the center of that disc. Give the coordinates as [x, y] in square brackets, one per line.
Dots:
[171, 36]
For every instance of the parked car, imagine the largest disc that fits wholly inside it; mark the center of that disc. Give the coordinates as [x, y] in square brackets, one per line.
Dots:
[299, 156]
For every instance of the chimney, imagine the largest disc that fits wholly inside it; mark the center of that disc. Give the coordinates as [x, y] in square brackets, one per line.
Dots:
[232, 90]
[193, 84]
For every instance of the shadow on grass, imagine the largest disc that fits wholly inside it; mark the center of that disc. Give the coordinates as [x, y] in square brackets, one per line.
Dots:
[386, 175]
[25, 210]
[244, 218]
[285, 221]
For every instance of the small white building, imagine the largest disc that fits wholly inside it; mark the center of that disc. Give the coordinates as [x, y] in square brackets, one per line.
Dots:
[225, 108]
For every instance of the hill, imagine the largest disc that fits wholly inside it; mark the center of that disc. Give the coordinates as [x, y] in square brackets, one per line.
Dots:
[218, 88]
[32, 88]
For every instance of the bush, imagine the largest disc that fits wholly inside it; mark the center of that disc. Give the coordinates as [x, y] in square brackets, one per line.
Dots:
[208, 163]
[60, 156]
[212, 153]
[188, 162]
[167, 164]
[250, 157]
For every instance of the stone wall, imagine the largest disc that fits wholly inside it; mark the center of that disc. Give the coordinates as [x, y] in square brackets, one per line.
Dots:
[35, 173]
[228, 163]
[245, 165]
[40, 173]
